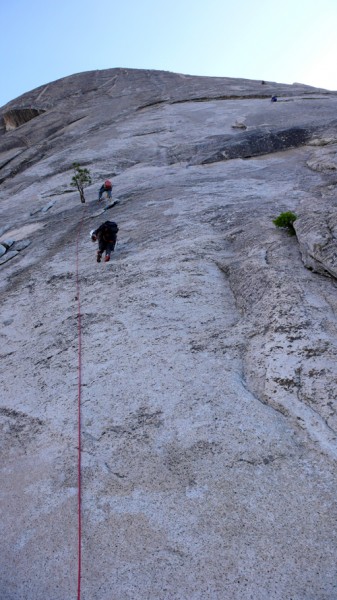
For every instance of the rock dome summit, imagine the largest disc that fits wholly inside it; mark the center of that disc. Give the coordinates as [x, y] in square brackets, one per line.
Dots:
[208, 431]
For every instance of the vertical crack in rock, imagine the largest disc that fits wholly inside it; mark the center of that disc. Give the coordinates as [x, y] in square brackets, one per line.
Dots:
[279, 365]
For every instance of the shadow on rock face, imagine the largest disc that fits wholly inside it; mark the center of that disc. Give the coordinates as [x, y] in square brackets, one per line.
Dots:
[18, 116]
[244, 145]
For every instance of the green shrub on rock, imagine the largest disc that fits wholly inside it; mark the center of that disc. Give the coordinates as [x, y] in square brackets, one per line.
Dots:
[286, 220]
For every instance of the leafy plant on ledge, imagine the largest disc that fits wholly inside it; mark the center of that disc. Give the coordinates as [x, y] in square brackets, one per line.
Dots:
[286, 220]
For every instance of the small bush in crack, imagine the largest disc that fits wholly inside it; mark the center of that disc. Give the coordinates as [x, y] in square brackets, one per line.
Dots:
[286, 220]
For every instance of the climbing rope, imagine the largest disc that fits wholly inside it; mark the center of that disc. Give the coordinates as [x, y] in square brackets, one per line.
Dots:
[79, 333]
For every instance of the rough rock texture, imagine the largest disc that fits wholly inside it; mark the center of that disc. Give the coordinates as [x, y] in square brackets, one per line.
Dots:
[208, 390]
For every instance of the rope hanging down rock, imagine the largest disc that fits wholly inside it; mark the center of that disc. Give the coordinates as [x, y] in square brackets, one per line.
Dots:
[79, 331]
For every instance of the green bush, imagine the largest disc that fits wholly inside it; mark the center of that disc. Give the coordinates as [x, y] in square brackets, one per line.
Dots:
[286, 219]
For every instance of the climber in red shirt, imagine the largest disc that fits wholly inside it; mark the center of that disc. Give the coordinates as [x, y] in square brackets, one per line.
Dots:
[106, 187]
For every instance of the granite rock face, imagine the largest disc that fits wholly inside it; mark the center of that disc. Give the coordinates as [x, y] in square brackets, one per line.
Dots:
[208, 342]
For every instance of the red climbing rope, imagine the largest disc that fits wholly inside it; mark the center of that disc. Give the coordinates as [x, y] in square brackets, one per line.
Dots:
[79, 330]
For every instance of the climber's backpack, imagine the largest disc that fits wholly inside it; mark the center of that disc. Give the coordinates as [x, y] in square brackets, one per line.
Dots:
[110, 229]
[108, 185]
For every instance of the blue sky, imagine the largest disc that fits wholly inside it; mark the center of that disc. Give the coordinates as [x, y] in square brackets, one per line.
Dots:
[285, 41]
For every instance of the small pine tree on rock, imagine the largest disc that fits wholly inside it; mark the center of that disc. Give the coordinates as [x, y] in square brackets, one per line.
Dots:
[80, 179]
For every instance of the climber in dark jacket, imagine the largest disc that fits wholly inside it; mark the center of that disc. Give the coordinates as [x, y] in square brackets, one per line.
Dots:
[106, 235]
